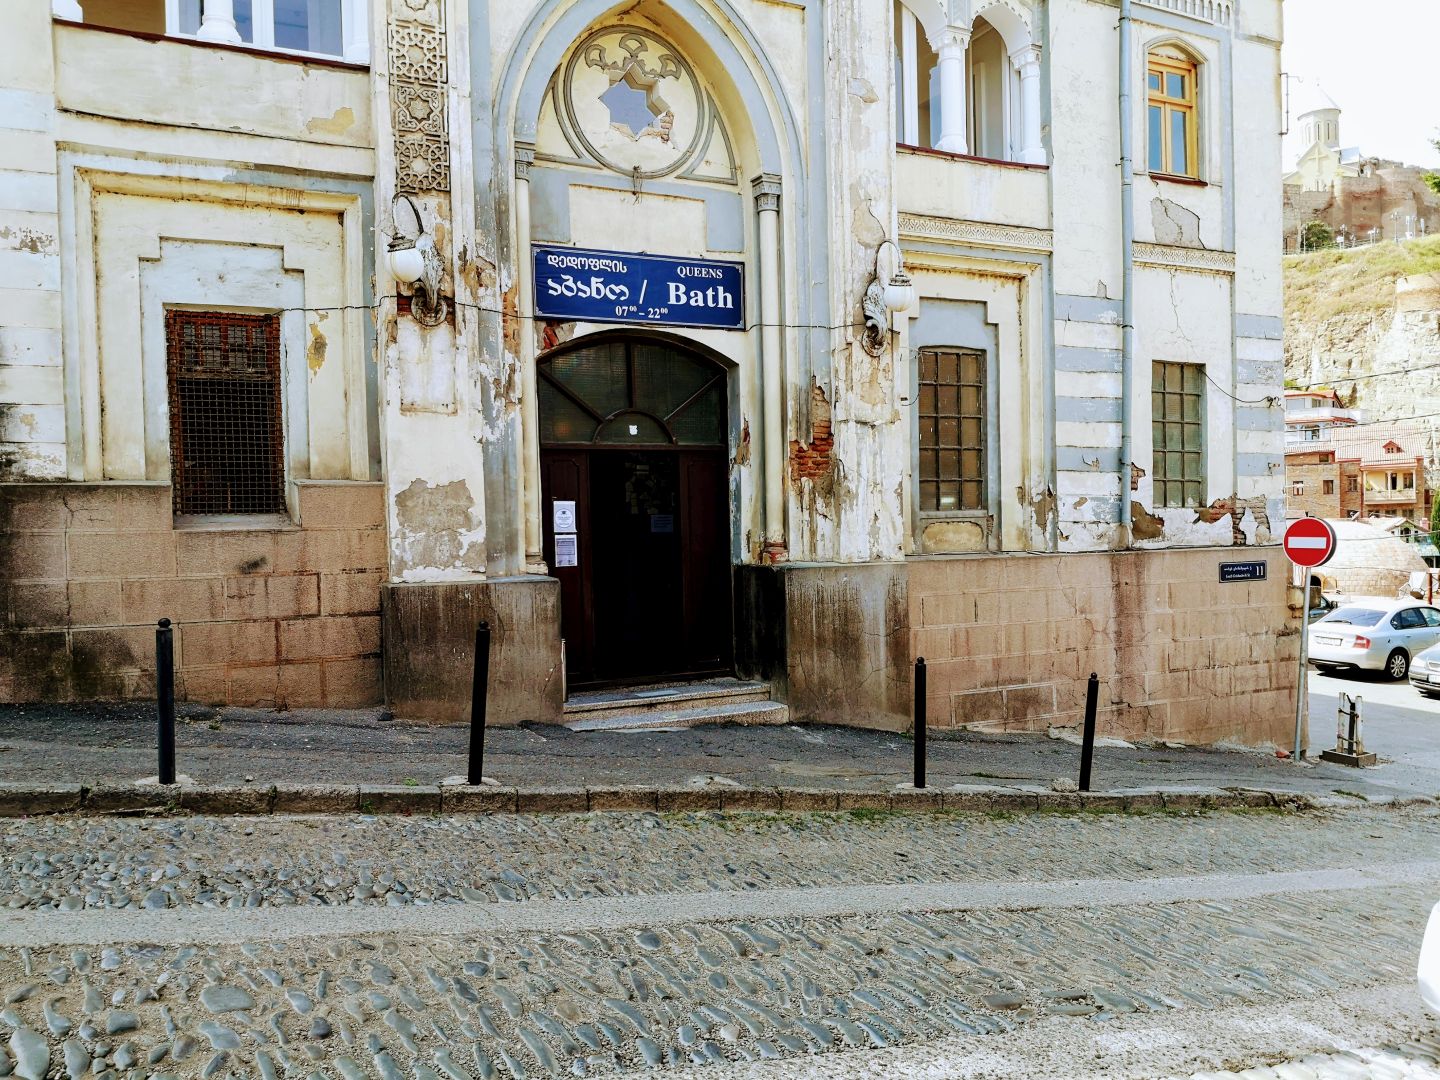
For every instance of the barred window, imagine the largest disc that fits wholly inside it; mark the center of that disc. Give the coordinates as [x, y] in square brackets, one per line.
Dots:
[1177, 415]
[952, 430]
[226, 440]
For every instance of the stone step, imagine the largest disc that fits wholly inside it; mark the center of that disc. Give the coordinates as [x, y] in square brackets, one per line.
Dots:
[634, 700]
[732, 711]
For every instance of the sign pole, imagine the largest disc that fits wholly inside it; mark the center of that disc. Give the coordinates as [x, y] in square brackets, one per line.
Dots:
[1302, 687]
[1308, 543]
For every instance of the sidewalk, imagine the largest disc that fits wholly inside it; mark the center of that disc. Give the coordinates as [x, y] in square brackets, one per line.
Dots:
[110, 747]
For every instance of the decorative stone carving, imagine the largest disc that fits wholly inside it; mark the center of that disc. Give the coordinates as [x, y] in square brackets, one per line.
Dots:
[979, 233]
[418, 97]
[632, 102]
[1185, 258]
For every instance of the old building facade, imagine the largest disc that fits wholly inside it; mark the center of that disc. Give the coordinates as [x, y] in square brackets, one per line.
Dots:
[772, 337]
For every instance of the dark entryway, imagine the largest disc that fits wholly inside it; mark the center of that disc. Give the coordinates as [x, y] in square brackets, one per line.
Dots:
[633, 434]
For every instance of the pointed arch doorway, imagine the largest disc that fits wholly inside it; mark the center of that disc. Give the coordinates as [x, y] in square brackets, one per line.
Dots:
[633, 458]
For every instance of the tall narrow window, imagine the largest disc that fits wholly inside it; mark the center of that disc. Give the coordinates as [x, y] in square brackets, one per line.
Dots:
[226, 441]
[952, 430]
[1177, 421]
[1174, 131]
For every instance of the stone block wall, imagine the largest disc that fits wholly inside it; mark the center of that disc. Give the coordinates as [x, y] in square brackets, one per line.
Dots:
[1010, 643]
[265, 616]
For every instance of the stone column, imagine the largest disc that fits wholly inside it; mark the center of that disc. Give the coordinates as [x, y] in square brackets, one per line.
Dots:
[529, 405]
[1027, 62]
[218, 22]
[772, 362]
[950, 45]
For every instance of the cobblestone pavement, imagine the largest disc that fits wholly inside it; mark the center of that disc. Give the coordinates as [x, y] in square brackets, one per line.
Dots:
[716, 945]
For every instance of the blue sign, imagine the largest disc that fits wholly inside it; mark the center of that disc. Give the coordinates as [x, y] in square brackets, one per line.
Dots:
[576, 285]
[1242, 571]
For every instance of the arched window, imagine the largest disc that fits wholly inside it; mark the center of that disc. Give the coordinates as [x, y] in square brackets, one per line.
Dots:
[967, 90]
[1174, 123]
[917, 83]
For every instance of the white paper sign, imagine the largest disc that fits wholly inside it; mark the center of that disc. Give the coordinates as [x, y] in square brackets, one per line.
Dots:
[567, 551]
[564, 516]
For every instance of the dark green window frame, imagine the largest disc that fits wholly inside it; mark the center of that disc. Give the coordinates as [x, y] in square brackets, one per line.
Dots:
[1177, 415]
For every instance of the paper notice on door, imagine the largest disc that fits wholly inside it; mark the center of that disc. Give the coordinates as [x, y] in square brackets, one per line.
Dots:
[564, 512]
[567, 551]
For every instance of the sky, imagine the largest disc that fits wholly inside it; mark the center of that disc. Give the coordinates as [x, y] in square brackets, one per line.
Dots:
[1368, 56]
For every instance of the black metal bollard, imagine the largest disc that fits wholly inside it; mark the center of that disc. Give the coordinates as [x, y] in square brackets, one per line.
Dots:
[920, 722]
[165, 698]
[1087, 745]
[478, 690]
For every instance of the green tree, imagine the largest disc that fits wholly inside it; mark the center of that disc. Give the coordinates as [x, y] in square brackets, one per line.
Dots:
[1316, 235]
[1433, 179]
[1435, 519]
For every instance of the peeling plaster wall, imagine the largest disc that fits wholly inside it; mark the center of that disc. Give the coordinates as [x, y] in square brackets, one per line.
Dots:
[859, 519]
[436, 379]
[32, 401]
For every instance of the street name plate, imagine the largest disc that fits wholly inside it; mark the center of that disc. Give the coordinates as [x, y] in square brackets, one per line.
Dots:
[1242, 571]
[579, 285]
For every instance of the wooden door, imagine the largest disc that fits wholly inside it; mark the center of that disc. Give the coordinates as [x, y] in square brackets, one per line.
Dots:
[633, 434]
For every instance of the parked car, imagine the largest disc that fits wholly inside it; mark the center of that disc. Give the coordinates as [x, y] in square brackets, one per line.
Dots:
[1425, 672]
[1430, 963]
[1382, 635]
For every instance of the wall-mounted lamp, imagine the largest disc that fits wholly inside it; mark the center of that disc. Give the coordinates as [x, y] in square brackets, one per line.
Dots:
[886, 295]
[415, 262]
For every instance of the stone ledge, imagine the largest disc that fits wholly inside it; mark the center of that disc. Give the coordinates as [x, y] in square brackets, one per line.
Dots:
[20, 800]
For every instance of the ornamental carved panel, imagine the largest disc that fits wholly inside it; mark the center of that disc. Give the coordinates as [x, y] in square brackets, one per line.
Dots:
[419, 102]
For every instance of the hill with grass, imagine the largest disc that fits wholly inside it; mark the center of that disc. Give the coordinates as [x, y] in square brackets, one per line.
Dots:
[1372, 312]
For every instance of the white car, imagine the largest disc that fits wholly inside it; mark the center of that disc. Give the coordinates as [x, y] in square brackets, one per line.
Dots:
[1382, 635]
[1430, 963]
[1425, 672]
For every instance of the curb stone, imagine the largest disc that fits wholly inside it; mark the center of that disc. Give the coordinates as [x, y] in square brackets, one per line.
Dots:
[399, 799]
[52, 799]
[552, 801]
[623, 798]
[215, 799]
[129, 798]
[18, 800]
[315, 799]
[483, 799]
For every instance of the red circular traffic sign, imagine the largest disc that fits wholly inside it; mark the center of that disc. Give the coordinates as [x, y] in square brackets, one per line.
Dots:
[1310, 542]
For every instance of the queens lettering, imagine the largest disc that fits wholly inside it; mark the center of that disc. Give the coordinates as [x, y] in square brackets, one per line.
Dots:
[595, 288]
[715, 296]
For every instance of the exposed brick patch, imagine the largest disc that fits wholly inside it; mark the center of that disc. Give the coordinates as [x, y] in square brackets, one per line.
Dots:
[813, 460]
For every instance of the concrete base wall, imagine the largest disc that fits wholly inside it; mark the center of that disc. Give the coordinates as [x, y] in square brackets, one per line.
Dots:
[430, 649]
[1010, 642]
[833, 640]
[276, 616]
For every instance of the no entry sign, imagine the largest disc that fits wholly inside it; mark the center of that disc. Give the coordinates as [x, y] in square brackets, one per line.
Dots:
[1310, 542]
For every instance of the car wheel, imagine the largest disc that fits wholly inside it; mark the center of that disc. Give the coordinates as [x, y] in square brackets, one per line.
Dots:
[1398, 665]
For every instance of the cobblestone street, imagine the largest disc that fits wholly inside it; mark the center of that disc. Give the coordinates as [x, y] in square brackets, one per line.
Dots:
[827, 945]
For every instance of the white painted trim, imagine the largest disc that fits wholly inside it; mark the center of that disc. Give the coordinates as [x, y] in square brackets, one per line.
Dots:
[910, 93]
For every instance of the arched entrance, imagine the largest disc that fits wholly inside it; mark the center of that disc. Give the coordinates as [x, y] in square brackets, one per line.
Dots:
[634, 482]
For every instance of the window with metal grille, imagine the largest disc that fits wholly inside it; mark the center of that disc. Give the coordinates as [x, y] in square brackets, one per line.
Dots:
[952, 430]
[1177, 416]
[226, 442]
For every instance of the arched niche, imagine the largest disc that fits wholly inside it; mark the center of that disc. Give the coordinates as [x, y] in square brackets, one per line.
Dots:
[745, 85]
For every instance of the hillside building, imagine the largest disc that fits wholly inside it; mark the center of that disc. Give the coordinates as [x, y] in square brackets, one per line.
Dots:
[675, 338]
[1361, 198]
[1361, 471]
